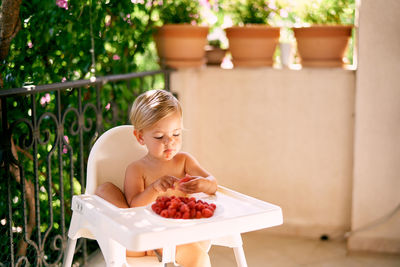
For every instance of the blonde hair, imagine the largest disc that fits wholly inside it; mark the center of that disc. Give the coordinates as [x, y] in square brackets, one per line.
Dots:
[152, 106]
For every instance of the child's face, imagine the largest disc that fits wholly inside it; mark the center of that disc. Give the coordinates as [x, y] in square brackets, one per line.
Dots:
[164, 139]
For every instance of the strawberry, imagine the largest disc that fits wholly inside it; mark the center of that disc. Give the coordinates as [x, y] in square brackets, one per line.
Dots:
[175, 203]
[178, 215]
[207, 213]
[184, 208]
[186, 215]
[171, 212]
[198, 214]
[184, 180]
[193, 213]
[164, 213]
[154, 206]
[199, 206]
[158, 210]
[191, 204]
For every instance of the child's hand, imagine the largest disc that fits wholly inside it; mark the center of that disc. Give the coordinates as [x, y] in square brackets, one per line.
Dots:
[193, 184]
[164, 183]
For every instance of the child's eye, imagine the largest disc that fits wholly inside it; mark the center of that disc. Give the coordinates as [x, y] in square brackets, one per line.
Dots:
[158, 137]
[177, 134]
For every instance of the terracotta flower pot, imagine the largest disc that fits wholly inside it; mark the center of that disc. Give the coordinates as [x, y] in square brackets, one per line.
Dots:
[181, 45]
[214, 55]
[252, 45]
[323, 45]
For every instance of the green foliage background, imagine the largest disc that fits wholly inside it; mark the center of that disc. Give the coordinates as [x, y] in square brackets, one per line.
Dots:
[55, 44]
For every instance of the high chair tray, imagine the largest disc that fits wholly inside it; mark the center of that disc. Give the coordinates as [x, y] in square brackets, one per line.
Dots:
[141, 229]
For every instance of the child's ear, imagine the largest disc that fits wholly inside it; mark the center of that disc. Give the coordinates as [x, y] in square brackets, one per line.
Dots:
[139, 136]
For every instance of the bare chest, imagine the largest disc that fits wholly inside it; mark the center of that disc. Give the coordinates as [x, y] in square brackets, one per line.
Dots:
[176, 171]
[173, 169]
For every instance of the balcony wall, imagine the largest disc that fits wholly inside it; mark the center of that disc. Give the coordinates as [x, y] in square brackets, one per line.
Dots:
[283, 136]
[291, 138]
[376, 189]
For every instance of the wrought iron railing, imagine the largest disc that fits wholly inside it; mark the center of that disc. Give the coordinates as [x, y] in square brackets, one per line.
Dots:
[46, 135]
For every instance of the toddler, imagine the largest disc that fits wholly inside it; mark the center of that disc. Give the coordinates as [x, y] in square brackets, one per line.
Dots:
[157, 119]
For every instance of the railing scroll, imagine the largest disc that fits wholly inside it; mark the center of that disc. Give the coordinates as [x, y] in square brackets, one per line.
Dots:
[46, 134]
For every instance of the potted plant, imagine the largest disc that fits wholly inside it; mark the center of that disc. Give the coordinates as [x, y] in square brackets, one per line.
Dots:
[252, 41]
[324, 41]
[180, 41]
[214, 52]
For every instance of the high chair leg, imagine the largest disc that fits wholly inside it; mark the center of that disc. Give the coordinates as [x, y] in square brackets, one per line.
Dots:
[69, 253]
[114, 253]
[233, 241]
[239, 256]
[169, 255]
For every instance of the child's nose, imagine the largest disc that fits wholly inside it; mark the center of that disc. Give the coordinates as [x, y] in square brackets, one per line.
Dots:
[168, 140]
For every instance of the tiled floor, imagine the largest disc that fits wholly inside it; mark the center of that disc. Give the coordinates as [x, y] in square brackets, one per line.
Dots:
[263, 250]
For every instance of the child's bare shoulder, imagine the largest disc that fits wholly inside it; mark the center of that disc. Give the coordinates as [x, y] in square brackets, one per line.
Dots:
[186, 155]
[183, 156]
[136, 167]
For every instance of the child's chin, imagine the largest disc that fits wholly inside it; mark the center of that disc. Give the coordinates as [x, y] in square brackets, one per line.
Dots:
[169, 156]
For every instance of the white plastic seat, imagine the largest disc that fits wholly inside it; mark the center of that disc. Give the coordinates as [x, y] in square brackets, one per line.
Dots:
[108, 159]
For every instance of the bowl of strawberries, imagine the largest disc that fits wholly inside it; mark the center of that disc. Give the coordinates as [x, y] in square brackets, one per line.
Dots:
[174, 207]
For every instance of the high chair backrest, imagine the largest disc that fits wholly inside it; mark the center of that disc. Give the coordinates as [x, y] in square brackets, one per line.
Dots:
[110, 155]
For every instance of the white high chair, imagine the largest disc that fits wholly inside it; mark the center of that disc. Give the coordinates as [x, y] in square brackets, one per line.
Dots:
[117, 229]
[108, 159]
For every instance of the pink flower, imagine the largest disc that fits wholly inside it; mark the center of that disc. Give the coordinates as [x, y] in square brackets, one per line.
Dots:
[62, 4]
[127, 19]
[108, 20]
[108, 106]
[65, 148]
[272, 5]
[63, 79]
[205, 3]
[30, 45]
[45, 99]
[116, 57]
[284, 13]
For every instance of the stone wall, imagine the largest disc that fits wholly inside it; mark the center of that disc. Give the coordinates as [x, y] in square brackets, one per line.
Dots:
[283, 136]
[376, 188]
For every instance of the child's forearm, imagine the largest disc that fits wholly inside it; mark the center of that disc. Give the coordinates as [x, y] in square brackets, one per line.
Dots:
[144, 198]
